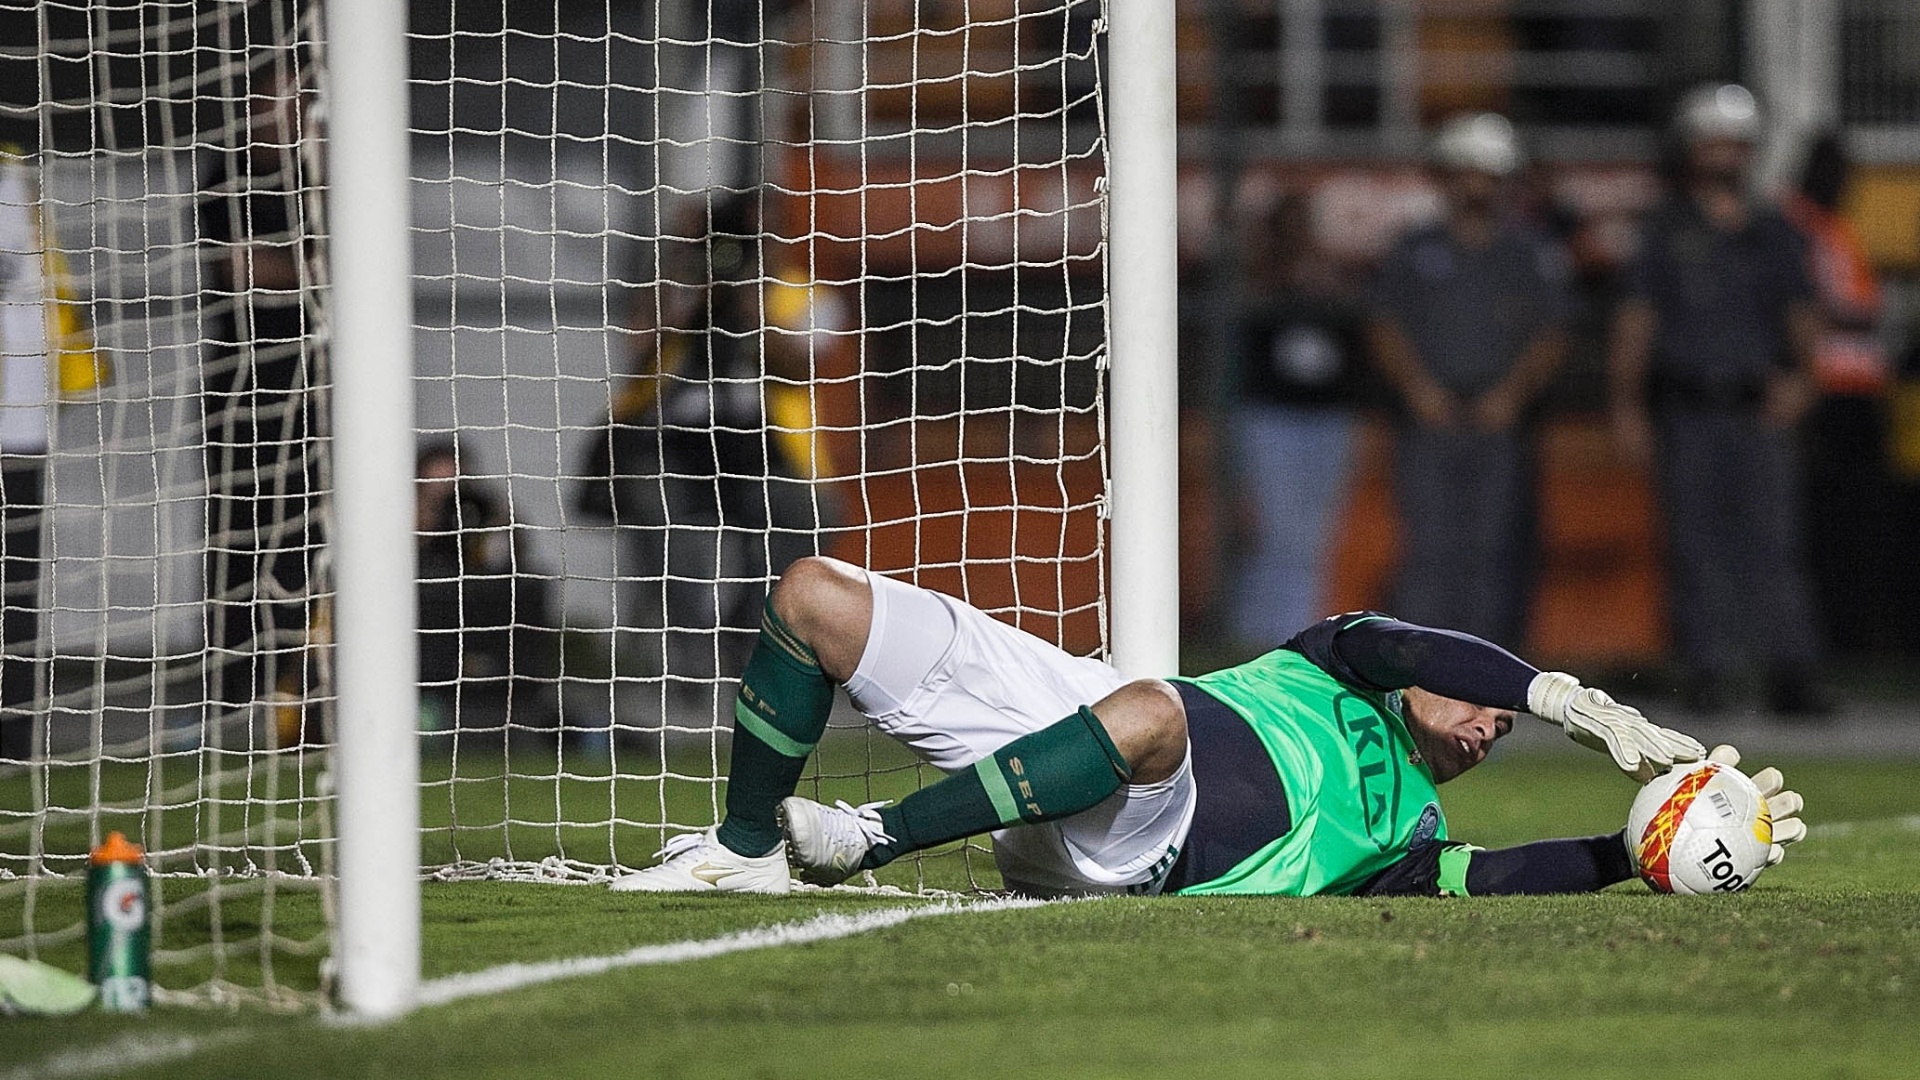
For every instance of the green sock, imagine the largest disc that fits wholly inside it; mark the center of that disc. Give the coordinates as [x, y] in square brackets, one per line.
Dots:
[778, 717]
[1053, 773]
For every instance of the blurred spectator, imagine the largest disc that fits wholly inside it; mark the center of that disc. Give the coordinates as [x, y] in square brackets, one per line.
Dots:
[1846, 431]
[710, 455]
[1848, 358]
[1297, 350]
[45, 355]
[1711, 369]
[486, 628]
[257, 377]
[1467, 326]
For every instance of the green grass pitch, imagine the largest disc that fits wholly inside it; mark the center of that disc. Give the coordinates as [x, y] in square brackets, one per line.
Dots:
[1815, 972]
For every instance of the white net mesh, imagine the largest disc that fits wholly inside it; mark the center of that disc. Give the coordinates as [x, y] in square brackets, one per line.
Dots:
[705, 292]
[699, 289]
[162, 437]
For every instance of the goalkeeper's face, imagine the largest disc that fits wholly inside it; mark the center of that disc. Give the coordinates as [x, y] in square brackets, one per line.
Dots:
[1452, 735]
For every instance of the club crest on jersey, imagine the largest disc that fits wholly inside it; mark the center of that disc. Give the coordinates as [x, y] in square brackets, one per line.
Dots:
[1428, 826]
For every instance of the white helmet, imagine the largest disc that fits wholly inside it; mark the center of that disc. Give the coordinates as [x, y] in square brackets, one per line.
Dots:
[1477, 142]
[1718, 111]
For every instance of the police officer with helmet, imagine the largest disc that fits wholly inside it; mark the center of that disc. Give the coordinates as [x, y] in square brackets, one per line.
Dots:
[1468, 327]
[1710, 372]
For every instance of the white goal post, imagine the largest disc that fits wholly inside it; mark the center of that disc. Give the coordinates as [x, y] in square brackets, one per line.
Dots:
[376, 626]
[1142, 261]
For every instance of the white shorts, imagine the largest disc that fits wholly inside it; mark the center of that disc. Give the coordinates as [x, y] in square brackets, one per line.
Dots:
[955, 685]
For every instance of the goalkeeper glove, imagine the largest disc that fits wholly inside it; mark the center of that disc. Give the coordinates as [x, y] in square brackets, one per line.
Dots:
[1642, 750]
[1782, 806]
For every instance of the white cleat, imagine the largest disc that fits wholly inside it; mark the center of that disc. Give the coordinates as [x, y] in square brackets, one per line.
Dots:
[826, 843]
[699, 862]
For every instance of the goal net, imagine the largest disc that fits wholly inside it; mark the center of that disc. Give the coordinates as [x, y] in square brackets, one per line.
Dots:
[162, 448]
[699, 289]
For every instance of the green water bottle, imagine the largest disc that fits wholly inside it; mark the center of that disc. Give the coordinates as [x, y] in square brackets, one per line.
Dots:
[119, 940]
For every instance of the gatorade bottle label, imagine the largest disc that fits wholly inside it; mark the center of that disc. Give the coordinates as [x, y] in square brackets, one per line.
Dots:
[118, 933]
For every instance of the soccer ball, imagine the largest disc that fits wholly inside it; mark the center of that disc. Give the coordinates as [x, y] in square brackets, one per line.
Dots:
[1699, 829]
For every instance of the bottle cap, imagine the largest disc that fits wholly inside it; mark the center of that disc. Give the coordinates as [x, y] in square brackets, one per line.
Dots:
[116, 848]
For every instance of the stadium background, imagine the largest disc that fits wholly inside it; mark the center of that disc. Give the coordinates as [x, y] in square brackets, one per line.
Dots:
[1327, 98]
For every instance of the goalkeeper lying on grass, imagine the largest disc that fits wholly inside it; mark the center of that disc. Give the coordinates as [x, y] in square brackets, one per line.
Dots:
[1310, 770]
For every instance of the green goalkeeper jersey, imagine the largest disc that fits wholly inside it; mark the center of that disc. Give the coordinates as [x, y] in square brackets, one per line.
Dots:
[1359, 794]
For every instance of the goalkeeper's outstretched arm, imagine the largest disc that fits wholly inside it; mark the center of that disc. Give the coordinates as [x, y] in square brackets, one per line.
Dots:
[1370, 649]
[1587, 864]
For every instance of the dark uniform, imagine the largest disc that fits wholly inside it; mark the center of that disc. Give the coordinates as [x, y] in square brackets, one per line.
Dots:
[487, 633]
[22, 494]
[714, 502]
[1300, 359]
[1728, 481]
[257, 377]
[1466, 497]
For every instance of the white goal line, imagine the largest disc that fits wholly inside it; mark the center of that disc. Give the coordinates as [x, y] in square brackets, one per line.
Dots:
[825, 927]
[149, 1049]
